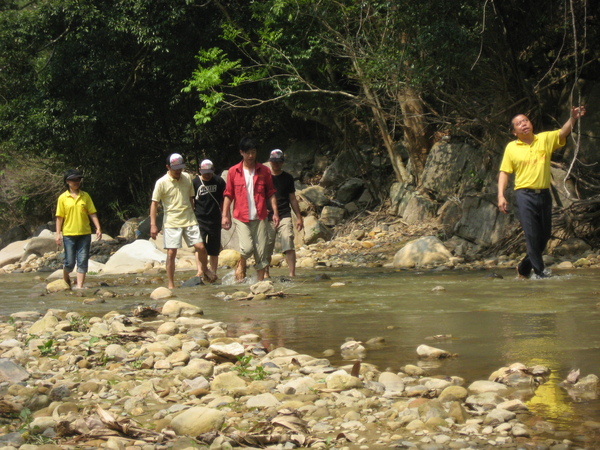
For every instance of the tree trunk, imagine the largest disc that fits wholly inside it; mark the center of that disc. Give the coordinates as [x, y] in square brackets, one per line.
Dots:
[417, 141]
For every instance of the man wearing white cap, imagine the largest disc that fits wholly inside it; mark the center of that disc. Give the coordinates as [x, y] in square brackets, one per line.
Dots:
[175, 191]
[208, 202]
[286, 203]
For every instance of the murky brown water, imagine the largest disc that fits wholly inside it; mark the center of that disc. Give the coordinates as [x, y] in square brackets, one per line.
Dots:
[493, 322]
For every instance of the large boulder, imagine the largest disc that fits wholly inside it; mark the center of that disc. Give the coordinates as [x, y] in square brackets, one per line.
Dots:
[332, 215]
[133, 257]
[314, 230]
[12, 253]
[38, 246]
[315, 195]
[350, 190]
[344, 167]
[424, 251]
[400, 196]
[451, 169]
[481, 221]
[419, 209]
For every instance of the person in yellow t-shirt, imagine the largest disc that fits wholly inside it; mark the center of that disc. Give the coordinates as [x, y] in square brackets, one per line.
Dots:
[74, 210]
[175, 191]
[528, 158]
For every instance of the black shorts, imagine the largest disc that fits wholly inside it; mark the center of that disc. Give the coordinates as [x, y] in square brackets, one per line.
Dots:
[211, 239]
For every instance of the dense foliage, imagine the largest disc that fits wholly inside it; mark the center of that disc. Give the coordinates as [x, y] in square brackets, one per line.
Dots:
[113, 86]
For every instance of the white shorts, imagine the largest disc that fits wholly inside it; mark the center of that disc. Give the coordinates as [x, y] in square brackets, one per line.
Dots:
[172, 236]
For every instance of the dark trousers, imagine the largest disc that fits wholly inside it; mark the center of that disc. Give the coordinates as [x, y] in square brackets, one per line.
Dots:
[535, 214]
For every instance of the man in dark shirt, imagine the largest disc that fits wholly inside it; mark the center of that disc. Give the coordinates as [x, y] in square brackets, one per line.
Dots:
[286, 202]
[208, 200]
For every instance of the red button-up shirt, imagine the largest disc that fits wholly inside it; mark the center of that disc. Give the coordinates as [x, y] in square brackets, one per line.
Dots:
[236, 191]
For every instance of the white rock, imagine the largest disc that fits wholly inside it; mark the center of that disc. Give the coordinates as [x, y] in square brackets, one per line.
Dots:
[132, 258]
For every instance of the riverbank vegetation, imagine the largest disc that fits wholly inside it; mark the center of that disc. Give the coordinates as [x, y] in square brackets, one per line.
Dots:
[112, 87]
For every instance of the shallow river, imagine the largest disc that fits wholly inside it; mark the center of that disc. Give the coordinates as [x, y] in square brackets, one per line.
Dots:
[493, 322]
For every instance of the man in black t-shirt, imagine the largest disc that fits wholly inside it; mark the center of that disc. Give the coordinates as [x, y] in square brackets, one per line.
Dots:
[208, 200]
[286, 202]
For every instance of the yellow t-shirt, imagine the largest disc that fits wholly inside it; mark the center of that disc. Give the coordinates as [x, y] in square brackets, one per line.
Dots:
[75, 213]
[531, 163]
[175, 197]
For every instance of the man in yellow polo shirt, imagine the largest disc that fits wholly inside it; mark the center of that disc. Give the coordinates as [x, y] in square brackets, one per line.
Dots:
[176, 192]
[529, 159]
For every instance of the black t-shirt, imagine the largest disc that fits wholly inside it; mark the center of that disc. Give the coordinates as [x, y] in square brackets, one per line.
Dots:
[208, 200]
[284, 186]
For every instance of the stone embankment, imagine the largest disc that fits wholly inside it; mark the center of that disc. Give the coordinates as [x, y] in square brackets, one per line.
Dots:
[176, 380]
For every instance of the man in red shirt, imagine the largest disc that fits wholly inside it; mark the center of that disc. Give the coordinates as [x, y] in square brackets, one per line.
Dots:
[249, 188]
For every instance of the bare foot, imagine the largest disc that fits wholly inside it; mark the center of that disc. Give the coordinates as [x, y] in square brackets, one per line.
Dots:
[210, 277]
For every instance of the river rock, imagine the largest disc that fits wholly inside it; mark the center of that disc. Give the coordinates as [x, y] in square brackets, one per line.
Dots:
[342, 380]
[45, 325]
[176, 308]
[198, 367]
[132, 258]
[453, 393]
[427, 352]
[487, 400]
[394, 384]
[57, 286]
[266, 400]
[228, 350]
[262, 287]
[229, 257]
[422, 252]
[297, 386]
[197, 420]
[11, 372]
[481, 386]
[160, 293]
[498, 416]
[228, 382]
[116, 352]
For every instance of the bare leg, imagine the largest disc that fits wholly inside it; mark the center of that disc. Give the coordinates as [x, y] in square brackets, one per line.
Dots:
[240, 270]
[267, 274]
[66, 276]
[260, 274]
[202, 262]
[171, 254]
[290, 256]
[80, 280]
[213, 263]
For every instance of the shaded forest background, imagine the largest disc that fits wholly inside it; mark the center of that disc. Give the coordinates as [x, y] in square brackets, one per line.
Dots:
[113, 86]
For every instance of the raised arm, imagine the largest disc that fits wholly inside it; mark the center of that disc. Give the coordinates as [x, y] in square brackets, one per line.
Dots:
[576, 113]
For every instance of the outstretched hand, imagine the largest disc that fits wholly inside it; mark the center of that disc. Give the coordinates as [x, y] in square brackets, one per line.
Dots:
[577, 112]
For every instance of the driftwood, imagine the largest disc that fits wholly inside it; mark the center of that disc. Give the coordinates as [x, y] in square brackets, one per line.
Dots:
[124, 428]
[285, 427]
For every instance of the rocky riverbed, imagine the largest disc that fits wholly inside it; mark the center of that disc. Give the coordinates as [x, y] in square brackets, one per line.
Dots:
[176, 379]
[172, 378]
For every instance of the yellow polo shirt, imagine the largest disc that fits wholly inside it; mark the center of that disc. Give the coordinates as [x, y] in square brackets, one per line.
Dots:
[75, 212]
[175, 197]
[531, 163]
